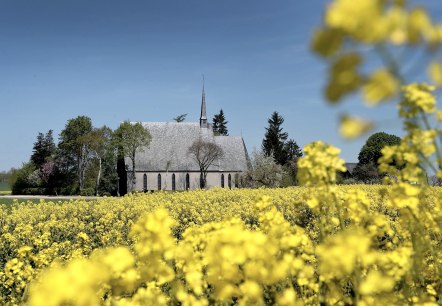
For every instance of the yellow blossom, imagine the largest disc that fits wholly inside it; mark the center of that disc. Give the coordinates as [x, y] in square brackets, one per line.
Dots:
[380, 86]
[353, 127]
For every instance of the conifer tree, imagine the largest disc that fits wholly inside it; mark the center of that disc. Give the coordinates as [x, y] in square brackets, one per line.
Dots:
[274, 139]
[219, 124]
[43, 149]
[292, 150]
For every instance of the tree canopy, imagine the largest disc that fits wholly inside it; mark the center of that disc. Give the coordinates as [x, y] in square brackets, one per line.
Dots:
[367, 168]
[219, 124]
[274, 139]
[130, 138]
[371, 150]
[84, 162]
[44, 148]
[204, 153]
[264, 172]
[73, 145]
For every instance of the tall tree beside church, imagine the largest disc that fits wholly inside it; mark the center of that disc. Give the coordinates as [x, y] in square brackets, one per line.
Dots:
[74, 148]
[219, 124]
[274, 139]
[130, 139]
[44, 148]
[99, 143]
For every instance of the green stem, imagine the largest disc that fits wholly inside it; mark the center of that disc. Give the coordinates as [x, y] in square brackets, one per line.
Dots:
[438, 151]
[390, 61]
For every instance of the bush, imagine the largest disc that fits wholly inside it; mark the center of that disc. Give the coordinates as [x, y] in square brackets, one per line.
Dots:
[87, 192]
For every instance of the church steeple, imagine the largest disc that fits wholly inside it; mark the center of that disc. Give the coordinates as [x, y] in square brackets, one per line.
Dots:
[203, 117]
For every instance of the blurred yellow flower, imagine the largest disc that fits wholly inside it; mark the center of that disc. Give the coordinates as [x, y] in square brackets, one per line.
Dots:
[353, 127]
[380, 86]
[435, 73]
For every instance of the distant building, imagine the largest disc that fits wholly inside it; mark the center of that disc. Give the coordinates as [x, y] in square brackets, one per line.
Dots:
[350, 167]
[166, 164]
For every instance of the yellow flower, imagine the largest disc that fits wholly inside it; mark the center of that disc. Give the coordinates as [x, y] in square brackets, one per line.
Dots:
[340, 254]
[344, 77]
[319, 164]
[435, 73]
[419, 25]
[417, 98]
[376, 283]
[361, 20]
[380, 86]
[327, 42]
[353, 127]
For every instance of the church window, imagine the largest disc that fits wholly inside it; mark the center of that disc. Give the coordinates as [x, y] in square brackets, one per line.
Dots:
[229, 181]
[145, 182]
[236, 180]
[173, 182]
[187, 181]
[222, 180]
[159, 181]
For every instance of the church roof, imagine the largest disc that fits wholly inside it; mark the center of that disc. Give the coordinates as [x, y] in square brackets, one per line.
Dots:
[168, 149]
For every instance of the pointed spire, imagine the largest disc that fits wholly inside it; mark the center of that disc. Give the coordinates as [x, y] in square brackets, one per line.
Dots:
[203, 117]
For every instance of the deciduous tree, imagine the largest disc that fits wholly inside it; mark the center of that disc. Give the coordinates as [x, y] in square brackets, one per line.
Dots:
[204, 153]
[366, 169]
[99, 141]
[264, 171]
[74, 148]
[131, 138]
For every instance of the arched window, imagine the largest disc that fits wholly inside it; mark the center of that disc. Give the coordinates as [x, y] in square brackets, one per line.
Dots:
[145, 182]
[222, 180]
[201, 181]
[159, 181]
[229, 181]
[236, 180]
[173, 182]
[187, 181]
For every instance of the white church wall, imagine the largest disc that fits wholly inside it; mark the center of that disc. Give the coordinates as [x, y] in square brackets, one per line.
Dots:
[149, 180]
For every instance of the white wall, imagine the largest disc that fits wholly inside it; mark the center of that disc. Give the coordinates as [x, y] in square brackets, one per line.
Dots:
[213, 179]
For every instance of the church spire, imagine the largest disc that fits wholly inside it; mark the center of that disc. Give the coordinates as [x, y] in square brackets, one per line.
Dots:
[203, 117]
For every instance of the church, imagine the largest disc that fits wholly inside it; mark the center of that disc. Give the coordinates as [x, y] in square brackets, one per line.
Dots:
[167, 165]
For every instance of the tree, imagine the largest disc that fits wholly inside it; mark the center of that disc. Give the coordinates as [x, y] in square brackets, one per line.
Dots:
[74, 147]
[180, 118]
[219, 124]
[44, 149]
[264, 172]
[292, 150]
[204, 153]
[274, 139]
[99, 141]
[366, 169]
[371, 150]
[25, 179]
[367, 173]
[130, 138]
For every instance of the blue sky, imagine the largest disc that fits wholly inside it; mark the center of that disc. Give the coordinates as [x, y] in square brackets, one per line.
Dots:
[143, 61]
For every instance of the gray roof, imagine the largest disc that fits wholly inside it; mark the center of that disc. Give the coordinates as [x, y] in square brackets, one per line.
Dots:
[350, 167]
[170, 144]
